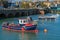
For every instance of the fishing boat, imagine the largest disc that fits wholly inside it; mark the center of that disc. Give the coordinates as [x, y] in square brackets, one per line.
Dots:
[23, 24]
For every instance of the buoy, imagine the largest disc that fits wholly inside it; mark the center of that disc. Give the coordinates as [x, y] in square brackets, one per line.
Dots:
[45, 30]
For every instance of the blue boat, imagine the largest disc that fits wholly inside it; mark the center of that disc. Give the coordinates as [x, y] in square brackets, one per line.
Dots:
[24, 24]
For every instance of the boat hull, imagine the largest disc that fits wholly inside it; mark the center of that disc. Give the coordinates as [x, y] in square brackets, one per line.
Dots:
[20, 27]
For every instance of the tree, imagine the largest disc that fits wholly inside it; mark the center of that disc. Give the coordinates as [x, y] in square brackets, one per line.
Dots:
[42, 4]
[25, 5]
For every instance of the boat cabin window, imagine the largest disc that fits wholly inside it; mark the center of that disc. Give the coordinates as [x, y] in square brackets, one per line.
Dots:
[23, 21]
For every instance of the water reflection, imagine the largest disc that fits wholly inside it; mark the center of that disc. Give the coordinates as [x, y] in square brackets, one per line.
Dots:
[10, 35]
[27, 36]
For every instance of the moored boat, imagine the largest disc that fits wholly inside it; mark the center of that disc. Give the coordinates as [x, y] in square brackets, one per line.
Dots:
[23, 24]
[47, 17]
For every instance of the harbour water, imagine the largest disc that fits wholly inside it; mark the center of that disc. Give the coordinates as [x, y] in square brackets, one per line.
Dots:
[52, 26]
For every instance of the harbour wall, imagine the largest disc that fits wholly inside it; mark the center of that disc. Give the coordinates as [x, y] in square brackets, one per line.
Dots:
[7, 13]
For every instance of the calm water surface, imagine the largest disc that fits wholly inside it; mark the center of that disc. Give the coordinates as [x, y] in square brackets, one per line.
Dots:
[53, 27]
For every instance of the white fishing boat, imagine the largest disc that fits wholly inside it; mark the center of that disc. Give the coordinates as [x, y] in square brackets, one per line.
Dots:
[48, 17]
